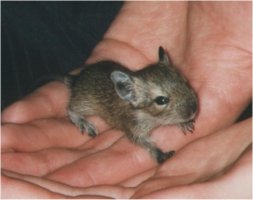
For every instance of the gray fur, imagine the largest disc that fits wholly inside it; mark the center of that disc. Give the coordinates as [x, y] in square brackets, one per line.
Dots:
[127, 100]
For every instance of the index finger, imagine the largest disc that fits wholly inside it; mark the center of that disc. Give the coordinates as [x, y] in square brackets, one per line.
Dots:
[48, 101]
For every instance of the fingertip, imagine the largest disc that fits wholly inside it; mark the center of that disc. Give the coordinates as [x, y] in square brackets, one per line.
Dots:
[15, 113]
[48, 101]
[6, 139]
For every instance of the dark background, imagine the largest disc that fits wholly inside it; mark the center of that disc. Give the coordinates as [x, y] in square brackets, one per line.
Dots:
[43, 38]
[47, 38]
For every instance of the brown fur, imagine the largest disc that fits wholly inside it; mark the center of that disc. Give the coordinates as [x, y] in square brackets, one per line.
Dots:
[95, 91]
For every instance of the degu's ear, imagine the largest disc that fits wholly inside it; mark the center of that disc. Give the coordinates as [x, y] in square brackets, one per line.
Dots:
[163, 56]
[123, 84]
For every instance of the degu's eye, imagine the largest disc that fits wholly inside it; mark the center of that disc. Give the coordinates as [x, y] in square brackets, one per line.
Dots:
[161, 100]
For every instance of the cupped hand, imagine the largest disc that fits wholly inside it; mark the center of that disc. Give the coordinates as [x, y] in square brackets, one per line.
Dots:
[202, 169]
[209, 42]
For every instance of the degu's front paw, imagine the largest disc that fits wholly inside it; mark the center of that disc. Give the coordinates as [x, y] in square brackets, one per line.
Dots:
[84, 125]
[187, 126]
[91, 130]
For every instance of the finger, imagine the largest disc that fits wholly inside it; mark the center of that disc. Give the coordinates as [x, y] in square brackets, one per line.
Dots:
[201, 159]
[236, 183]
[45, 133]
[39, 163]
[48, 101]
[41, 134]
[106, 191]
[47, 160]
[103, 141]
[156, 184]
[15, 188]
[139, 178]
[219, 150]
[112, 165]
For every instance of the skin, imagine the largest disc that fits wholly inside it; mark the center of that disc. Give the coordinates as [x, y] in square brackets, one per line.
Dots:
[44, 155]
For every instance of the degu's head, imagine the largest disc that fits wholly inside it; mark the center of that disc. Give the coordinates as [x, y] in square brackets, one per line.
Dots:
[159, 90]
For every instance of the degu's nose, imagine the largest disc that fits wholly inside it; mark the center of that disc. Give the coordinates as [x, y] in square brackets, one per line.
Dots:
[194, 107]
[191, 108]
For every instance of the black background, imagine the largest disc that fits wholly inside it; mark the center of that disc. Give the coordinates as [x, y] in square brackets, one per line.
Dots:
[43, 38]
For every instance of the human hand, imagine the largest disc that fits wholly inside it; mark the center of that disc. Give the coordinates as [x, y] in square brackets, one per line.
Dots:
[212, 55]
[194, 163]
[203, 167]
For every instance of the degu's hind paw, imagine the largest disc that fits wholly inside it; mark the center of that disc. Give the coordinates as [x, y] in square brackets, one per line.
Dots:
[161, 156]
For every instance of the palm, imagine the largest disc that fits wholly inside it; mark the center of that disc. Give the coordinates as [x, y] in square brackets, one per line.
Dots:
[213, 57]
